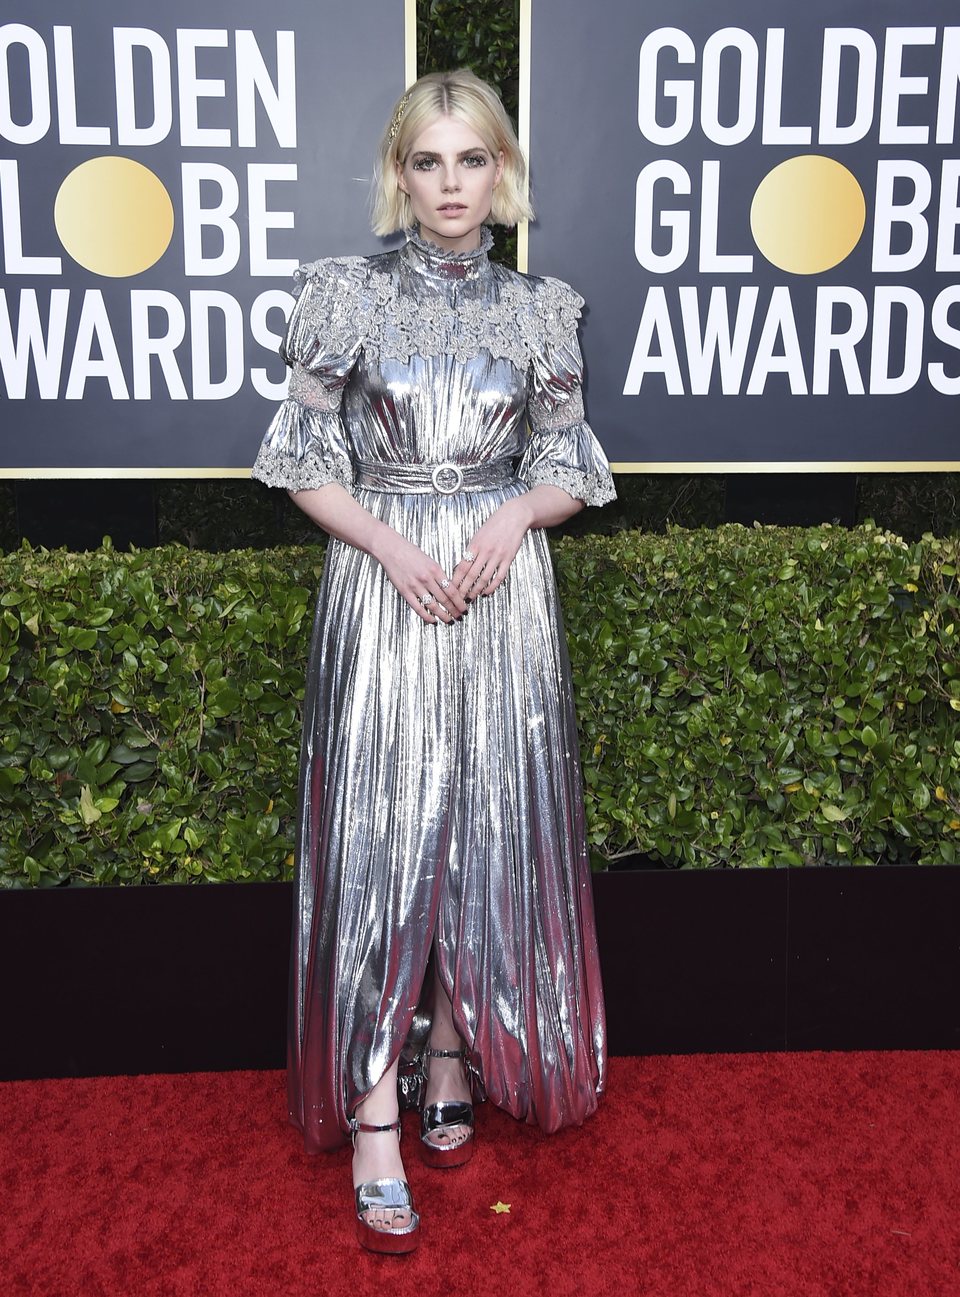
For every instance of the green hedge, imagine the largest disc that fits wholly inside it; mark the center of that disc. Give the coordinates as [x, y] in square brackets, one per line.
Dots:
[746, 697]
[768, 696]
[150, 719]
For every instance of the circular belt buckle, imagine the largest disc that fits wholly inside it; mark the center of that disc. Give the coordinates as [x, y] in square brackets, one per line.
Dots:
[446, 478]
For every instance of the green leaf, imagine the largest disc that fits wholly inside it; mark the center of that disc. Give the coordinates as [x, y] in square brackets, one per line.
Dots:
[138, 771]
[136, 739]
[209, 764]
[88, 811]
[268, 826]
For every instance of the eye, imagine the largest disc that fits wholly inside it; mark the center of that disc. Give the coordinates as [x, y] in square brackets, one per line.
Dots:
[476, 160]
[424, 164]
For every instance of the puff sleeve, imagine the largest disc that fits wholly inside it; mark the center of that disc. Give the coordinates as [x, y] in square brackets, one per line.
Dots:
[562, 449]
[306, 445]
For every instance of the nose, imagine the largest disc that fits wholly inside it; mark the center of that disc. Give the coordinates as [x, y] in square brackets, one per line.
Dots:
[451, 180]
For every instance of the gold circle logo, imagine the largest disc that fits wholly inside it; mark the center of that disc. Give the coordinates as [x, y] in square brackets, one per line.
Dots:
[114, 216]
[808, 214]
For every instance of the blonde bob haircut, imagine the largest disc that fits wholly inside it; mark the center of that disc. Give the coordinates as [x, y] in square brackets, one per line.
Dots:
[463, 95]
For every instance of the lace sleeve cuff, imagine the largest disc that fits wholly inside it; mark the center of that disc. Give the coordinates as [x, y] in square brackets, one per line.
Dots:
[569, 457]
[304, 448]
[592, 488]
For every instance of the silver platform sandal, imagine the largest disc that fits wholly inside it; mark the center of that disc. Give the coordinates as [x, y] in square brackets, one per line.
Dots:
[384, 1195]
[447, 1115]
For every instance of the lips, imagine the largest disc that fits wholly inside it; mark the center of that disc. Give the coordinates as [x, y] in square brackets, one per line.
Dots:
[452, 207]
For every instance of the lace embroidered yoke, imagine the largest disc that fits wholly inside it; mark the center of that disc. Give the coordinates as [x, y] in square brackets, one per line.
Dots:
[440, 804]
[416, 355]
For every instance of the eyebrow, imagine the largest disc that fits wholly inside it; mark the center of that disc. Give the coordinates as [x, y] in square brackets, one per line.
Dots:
[464, 153]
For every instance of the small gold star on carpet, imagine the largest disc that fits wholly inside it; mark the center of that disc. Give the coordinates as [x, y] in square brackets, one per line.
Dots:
[500, 1207]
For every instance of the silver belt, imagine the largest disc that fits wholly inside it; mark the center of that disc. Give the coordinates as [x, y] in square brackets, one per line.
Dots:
[445, 479]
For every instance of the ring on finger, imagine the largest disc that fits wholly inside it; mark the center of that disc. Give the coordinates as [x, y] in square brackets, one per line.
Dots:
[426, 600]
[468, 556]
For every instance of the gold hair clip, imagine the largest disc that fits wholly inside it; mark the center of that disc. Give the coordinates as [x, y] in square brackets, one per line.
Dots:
[395, 124]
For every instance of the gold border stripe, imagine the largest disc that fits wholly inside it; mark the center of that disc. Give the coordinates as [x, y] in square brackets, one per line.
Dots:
[791, 466]
[122, 472]
[409, 42]
[652, 467]
[523, 125]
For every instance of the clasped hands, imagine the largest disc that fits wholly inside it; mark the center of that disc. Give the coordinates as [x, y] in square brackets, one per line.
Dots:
[493, 548]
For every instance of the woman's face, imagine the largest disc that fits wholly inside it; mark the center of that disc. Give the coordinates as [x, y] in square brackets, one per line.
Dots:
[450, 175]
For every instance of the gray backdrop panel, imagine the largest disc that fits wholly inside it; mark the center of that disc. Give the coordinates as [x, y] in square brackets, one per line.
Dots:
[349, 70]
[587, 150]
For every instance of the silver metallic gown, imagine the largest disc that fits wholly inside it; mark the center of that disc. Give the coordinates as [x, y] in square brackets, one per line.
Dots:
[440, 800]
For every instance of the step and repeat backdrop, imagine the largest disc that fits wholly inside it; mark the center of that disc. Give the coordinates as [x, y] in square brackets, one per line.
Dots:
[163, 169]
[760, 202]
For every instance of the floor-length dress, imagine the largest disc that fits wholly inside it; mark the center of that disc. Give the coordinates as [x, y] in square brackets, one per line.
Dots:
[440, 799]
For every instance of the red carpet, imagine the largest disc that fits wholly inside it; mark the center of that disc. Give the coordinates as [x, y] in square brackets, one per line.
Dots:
[755, 1175]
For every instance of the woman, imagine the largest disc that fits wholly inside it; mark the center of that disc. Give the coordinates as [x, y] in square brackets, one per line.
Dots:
[441, 809]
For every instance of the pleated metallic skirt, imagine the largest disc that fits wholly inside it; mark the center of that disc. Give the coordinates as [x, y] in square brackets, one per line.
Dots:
[441, 809]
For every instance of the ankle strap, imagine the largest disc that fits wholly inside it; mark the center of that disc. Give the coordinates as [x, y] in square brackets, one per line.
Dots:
[365, 1128]
[446, 1053]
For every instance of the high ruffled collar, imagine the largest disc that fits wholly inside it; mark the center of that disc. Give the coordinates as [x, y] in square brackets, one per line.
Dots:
[433, 260]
